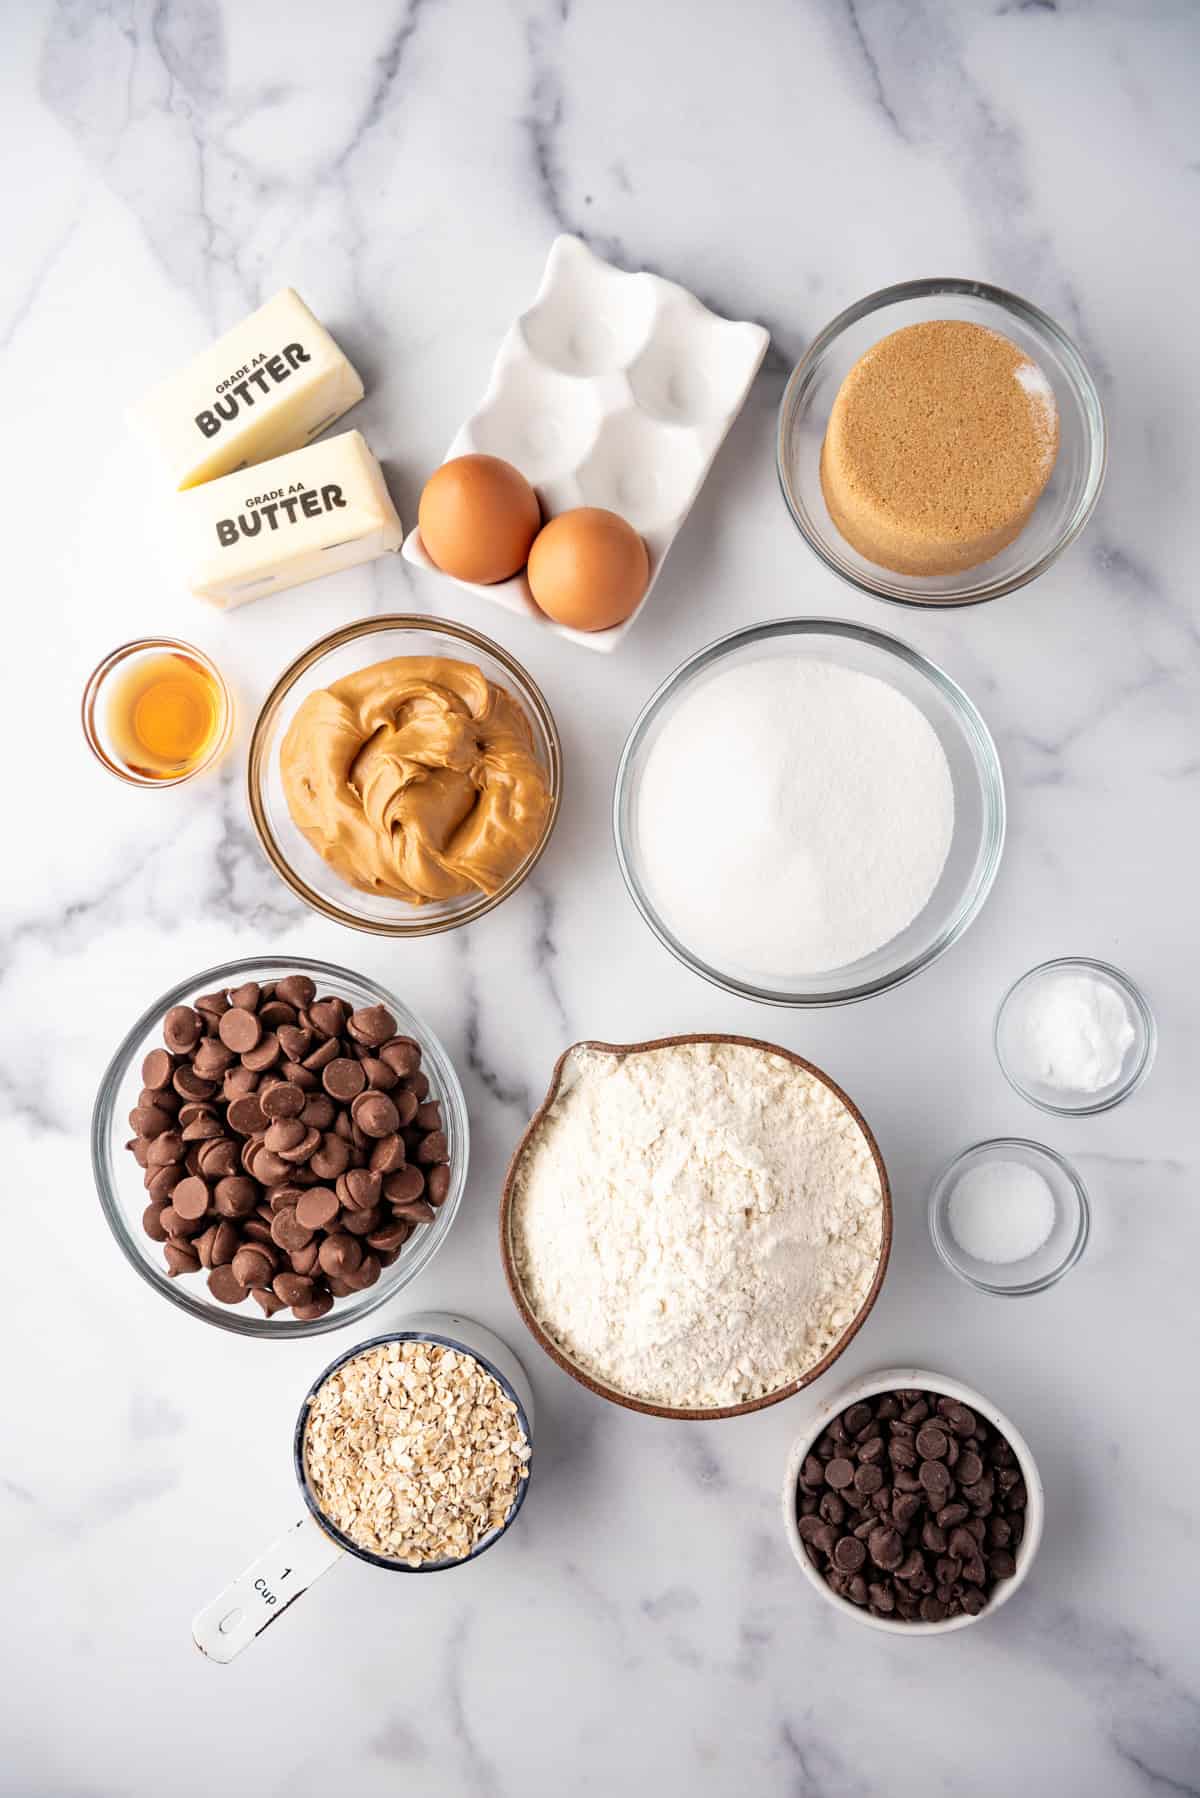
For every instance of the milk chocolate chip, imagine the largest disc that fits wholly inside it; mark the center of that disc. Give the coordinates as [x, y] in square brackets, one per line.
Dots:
[277, 1127]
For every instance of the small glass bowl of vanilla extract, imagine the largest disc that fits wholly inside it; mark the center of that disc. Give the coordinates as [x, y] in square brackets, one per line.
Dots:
[156, 711]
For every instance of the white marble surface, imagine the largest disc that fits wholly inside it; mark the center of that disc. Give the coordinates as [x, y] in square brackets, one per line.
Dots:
[643, 1630]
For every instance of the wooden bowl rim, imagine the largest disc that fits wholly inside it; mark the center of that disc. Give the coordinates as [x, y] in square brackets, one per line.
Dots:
[610, 1392]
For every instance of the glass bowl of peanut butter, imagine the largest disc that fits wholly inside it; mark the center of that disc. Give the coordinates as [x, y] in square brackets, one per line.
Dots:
[404, 775]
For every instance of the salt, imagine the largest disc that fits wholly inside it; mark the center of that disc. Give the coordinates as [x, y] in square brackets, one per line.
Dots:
[1075, 1032]
[1001, 1211]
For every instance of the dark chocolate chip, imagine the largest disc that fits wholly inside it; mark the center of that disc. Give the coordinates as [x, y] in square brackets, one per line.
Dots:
[857, 1418]
[932, 1443]
[849, 1554]
[886, 1547]
[831, 1508]
[969, 1468]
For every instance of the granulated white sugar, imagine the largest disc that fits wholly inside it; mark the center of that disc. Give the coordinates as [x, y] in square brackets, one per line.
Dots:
[793, 816]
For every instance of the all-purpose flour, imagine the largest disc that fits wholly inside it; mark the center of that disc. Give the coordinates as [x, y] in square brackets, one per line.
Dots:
[697, 1225]
[793, 815]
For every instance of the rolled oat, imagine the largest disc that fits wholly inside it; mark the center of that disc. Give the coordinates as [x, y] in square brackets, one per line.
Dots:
[414, 1452]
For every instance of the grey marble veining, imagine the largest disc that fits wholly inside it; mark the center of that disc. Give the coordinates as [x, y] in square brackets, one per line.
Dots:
[171, 163]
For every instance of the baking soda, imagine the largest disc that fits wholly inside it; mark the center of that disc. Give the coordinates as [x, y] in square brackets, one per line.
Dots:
[1075, 1033]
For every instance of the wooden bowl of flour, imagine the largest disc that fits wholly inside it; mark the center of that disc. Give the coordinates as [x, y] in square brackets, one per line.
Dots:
[842, 1121]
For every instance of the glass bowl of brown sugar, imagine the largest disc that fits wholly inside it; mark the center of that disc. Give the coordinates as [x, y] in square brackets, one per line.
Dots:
[1048, 359]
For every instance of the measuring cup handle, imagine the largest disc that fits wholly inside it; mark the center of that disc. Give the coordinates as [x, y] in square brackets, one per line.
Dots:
[263, 1592]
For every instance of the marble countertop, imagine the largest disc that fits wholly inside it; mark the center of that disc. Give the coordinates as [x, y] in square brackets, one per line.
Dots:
[168, 166]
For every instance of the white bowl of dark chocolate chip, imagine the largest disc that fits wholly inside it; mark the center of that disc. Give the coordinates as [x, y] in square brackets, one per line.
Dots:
[912, 1504]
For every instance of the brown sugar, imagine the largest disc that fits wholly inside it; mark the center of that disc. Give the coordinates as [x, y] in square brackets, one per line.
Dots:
[940, 442]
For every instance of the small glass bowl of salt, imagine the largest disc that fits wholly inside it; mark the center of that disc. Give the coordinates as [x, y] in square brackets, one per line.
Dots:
[1009, 1216]
[1074, 1037]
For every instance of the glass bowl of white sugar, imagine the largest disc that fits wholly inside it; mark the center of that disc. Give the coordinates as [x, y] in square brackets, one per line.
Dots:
[1075, 1036]
[1009, 1217]
[808, 812]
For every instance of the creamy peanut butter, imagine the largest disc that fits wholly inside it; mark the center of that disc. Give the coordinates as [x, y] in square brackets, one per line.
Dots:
[416, 778]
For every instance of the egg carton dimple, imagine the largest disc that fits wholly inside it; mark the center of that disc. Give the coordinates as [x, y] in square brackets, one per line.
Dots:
[612, 390]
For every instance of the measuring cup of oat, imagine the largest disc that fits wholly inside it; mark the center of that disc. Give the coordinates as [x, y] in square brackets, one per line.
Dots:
[412, 1452]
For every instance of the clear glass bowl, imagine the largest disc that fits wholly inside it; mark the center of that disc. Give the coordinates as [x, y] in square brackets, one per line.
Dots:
[1057, 1255]
[344, 652]
[1057, 1100]
[1064, 507]
[95, 723]
[119, 1178]
[978, 838]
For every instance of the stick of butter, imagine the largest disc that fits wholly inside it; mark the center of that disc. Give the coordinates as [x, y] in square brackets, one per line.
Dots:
[288, 521]
[270, 385]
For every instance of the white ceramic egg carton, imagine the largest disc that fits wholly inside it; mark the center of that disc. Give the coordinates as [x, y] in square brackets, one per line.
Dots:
[613, 390]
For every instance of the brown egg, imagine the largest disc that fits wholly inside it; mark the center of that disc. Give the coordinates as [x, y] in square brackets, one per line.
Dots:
[478, 516]
[588, 569]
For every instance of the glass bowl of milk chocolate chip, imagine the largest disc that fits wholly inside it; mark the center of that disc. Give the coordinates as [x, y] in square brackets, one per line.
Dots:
[941, 442]
[279, 1146]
